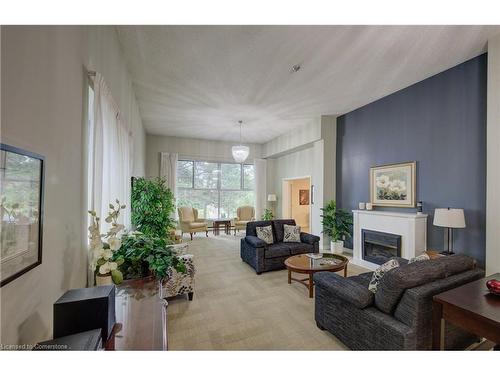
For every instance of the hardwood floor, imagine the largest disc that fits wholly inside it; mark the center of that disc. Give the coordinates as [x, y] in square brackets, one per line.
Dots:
[235, 309]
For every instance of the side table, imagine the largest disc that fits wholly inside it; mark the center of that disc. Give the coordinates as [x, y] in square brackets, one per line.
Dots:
[471, 307]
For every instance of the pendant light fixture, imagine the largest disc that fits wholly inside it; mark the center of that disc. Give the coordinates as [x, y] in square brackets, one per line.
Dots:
[240, 152]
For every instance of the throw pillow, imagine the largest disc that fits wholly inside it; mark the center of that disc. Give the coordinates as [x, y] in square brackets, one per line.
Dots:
[379, 273]
[292, 233]
[265, 234]
[420, 258]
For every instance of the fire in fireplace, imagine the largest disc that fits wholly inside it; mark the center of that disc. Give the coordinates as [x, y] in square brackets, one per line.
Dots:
[379, 247]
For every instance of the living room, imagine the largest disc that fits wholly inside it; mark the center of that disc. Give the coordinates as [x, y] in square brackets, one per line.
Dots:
[238, 186]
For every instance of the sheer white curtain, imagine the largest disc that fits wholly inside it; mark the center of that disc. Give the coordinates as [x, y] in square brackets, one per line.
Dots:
[168, 169]
[110, 150]
[260, 169]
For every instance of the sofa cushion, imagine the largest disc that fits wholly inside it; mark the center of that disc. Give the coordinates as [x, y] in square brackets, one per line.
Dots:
[196, 225]
[252, 227]
[265, 234]
[347, 289]
[255, 241]
[299, 248]
[457, 263]
[362, 279]
[420, 258]
[395, 282]
[308, 238]
[279, 231]
[276, 251]
[380, 272]
[291, 233]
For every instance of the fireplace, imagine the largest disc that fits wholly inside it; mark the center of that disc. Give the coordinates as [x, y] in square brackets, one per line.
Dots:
[379, 247]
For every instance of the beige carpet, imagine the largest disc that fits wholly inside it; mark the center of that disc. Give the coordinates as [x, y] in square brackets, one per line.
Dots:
[235, 309]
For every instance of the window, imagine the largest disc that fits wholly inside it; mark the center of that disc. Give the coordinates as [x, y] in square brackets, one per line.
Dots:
[215, 189]
[184, 174]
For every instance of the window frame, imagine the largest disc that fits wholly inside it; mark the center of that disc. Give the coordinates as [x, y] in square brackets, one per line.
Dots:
[219, 188]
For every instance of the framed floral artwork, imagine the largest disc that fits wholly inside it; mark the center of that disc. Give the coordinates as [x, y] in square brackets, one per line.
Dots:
[21, 211]
[393, 185]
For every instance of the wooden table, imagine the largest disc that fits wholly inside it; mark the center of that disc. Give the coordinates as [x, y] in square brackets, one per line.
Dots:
[470, 307]
[141, 317]
[222, 222]
[306, 265]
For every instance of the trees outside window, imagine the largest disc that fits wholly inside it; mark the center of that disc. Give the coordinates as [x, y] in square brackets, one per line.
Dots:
[215, 189]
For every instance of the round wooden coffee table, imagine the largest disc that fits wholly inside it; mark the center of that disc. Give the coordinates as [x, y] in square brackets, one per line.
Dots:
[304, 264]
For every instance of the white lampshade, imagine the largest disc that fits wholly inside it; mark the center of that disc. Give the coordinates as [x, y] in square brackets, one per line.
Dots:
[449, 217]
[240, 153]
[271, 198]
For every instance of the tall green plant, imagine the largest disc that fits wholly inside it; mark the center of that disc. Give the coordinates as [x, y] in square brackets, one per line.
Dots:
[153, 207]
[337, 223]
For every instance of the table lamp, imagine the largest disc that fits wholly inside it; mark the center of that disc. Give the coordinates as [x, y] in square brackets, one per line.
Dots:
[449, 218]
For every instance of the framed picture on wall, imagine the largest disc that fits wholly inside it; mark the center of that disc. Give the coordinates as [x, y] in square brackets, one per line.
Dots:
[304, 197]
[21, 211]
[393, 185]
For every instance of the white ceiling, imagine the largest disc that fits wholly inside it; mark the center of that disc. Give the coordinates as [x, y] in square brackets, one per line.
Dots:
[198, 81]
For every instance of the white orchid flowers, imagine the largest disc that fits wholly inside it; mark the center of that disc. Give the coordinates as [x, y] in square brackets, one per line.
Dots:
[383, 181]
[114, 243]
[102, 251]
[390, 189]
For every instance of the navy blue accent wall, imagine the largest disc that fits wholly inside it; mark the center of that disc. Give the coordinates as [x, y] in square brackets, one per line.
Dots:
[439, 122]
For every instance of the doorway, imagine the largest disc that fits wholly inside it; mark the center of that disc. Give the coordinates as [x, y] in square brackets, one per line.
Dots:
[297, 201]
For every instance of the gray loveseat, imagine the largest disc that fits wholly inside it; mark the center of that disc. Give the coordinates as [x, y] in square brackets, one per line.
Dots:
[399, 315]
[263, 257]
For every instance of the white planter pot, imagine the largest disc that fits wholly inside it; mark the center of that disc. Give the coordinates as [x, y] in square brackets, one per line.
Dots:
[337, 247]
[103, 280]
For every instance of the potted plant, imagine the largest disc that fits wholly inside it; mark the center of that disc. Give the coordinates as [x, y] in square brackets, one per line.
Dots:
[267, 215]
[153, 207]
[143, 256]
[337, 225]
[104, 267]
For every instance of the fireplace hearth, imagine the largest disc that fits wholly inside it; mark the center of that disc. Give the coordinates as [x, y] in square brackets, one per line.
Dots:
[379, 247]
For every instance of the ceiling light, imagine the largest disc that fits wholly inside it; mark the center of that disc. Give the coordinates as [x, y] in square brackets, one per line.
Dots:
[240, 152]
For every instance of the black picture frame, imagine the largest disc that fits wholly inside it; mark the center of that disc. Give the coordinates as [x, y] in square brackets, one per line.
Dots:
[11, 149]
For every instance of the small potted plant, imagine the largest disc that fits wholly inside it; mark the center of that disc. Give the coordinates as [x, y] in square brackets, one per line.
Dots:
[102, 264]
[337, 225]
[267, 215]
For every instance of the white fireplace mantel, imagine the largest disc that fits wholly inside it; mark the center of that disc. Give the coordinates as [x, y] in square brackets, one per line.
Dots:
[411, 227]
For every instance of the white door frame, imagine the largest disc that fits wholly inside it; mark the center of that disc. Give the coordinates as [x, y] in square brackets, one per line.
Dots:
[286, 204]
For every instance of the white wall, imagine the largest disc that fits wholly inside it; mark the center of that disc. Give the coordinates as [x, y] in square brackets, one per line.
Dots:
[493, 159]
[190, 148]
[295, 139]
[308, 151]
[306, 162]
[43, 99]
[42, 102]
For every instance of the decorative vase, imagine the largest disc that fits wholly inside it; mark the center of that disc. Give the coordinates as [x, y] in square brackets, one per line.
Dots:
[103, 280]
[337, 247]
